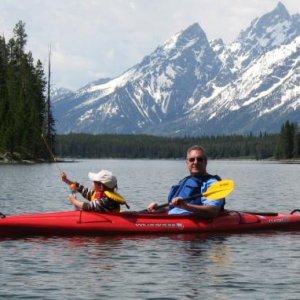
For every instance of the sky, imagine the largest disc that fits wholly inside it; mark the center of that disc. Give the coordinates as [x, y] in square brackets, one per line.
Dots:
[93, 39]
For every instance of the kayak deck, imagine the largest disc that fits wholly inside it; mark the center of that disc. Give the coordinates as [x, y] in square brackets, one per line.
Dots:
[91, 223]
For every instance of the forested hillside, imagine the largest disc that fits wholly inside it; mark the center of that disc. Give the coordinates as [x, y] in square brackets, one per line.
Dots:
[282, 146]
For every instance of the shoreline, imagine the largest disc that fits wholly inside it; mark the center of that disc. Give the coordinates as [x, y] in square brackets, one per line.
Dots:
[16, 158]
[5, 161]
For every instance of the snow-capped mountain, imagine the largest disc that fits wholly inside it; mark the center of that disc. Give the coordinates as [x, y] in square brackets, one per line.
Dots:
[264, 34]
[192, 86]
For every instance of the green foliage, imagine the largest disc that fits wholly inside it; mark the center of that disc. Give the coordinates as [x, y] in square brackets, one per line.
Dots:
[288, 142]
[146, 146]
[22, 98]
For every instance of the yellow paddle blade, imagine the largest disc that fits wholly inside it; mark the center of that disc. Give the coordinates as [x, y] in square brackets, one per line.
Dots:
[219, 190]
[115, 196]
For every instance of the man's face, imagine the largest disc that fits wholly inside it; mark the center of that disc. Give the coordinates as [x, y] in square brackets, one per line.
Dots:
[196, 162]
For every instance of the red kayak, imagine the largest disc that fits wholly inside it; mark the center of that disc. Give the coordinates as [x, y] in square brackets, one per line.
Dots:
[92, 223]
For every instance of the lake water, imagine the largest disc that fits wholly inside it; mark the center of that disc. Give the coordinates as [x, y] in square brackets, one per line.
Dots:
[233, 266]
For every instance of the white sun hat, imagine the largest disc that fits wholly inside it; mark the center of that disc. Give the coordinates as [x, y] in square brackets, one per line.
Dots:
[105, 177]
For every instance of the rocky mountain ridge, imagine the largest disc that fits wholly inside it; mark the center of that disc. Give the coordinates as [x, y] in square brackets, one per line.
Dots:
[193, 86]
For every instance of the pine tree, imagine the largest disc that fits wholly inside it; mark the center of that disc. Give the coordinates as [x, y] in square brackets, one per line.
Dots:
[3, 92]
[286, 145]
[22, 99]
[296, 152]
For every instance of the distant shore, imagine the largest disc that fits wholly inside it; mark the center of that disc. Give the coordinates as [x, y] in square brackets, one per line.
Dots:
[15, 158]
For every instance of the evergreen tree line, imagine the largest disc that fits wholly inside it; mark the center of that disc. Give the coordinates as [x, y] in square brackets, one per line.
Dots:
[146, 146]
[24, 115]
[288, 145]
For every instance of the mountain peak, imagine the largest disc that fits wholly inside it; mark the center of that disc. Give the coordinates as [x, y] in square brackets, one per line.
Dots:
[193, 31]
[194, 28]
[269, 31]
[261, 27]
[281, 10]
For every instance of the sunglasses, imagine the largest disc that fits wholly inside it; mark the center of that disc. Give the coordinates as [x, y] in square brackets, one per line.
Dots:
[198, 159]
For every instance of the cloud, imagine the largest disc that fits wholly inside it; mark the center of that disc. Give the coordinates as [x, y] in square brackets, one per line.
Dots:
[94, 37]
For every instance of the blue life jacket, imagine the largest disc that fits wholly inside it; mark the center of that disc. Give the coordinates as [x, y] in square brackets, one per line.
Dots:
[192, 185]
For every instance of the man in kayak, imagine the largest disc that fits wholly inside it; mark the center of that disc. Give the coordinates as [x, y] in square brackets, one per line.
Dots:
[197, 182]
[102, 197]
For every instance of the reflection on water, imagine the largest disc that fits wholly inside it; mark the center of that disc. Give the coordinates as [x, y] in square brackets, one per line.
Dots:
[186, 266]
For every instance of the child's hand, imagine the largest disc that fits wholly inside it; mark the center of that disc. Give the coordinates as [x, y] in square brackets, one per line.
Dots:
[73, 188]
[72, 198]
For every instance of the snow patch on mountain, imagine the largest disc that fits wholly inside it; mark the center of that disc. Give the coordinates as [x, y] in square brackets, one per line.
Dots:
[192, 86]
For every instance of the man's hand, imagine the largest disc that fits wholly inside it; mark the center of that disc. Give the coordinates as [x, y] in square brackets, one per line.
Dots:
[179, 202]
[152, 207]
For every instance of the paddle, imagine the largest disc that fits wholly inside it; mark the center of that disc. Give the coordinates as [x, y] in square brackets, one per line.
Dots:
[217, 191]
[116, 197]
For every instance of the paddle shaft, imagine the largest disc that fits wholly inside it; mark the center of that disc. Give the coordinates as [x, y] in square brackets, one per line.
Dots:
[184, 199]
[166, 204]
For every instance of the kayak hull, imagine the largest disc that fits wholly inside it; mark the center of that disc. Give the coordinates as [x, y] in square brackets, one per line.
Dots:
[91, 223]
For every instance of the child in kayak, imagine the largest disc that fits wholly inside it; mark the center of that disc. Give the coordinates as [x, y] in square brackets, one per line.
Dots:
[102, 197]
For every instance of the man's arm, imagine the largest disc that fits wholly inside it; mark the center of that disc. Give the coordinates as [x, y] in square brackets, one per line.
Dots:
[205, 211]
